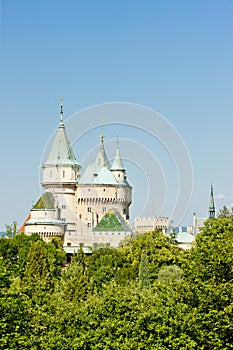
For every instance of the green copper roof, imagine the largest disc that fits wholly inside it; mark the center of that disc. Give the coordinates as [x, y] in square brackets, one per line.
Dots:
[61, 153]
[117, 163]
[109, 222]
[105, 177]
[46, 201]
[211, 205]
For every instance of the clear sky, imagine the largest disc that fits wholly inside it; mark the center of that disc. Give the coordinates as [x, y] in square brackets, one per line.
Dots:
[173, 56]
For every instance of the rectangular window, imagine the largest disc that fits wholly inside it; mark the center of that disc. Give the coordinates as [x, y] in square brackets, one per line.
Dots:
[104, 209]
[64, 173]
[88, 224]
[89, 209]
[68, 244]
[63, 206]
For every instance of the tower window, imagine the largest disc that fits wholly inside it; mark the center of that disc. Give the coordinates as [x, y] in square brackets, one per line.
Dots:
[104, 209]
[89, 209]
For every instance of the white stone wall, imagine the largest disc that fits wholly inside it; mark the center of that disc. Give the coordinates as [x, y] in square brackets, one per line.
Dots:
[58, 174]
[146, 224]
[91, 239]
[46, 231]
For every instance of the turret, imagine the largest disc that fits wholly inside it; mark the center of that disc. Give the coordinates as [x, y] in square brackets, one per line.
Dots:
[60, 173]
[102, 159]
[61, 166]
[117, 168]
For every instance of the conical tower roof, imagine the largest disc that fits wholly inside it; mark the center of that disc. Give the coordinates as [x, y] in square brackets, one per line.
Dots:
[61, 152]
[102, 159]
[117, 163]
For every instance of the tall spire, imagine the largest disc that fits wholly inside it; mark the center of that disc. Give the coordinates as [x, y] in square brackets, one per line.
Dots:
[211, 205]
[61, 124]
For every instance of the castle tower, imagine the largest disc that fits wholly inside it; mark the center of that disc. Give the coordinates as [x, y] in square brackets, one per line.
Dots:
[211, 205]
[123, 189]
[60, 172]
[117, 168]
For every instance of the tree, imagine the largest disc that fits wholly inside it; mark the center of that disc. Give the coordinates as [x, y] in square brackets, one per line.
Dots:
[144, 280]
[170, 274]
[11, 230]
[224, 212]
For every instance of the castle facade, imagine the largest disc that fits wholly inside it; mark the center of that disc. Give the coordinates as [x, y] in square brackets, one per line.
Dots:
[83, 208]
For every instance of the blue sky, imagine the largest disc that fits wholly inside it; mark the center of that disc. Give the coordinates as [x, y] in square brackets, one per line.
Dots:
[175, 57]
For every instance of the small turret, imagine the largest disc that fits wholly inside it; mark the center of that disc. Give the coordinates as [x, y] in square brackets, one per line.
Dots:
[211, 205]
[117, 167]
[102, 159]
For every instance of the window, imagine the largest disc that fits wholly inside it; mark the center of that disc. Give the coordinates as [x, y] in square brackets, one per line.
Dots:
[119, 175]
[88, 224]
[51, 174]
[63, 206]
[80, 216]
[89, 209]
[104, 209]
[68, 244]
[63, 173]
[104, 189]
[64, 219]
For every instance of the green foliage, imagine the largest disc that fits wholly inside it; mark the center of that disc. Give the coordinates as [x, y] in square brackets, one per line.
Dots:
[11, 230]
[170, 274]
[147, 294]
[225, 212]
[144, 280]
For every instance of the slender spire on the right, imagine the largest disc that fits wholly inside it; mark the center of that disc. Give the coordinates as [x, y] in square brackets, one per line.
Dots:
[211, 206]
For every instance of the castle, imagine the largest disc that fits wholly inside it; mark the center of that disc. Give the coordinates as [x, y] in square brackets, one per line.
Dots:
[85, 209]
[91, 209]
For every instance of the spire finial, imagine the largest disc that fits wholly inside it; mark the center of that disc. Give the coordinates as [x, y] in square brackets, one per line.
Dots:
[61, 108]
[61, 124]
[101, 133]
[117, 141]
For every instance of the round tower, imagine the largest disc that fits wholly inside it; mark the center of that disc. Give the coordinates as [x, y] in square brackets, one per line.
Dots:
[60, 172]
